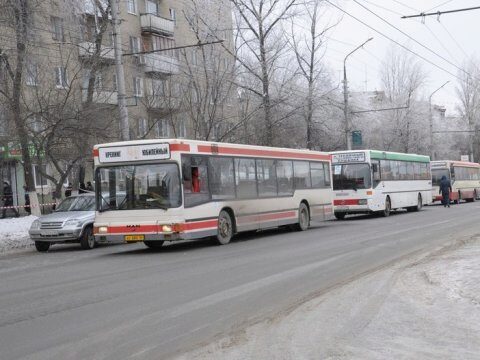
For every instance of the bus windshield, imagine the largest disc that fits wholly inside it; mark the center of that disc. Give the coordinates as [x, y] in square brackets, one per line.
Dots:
[351, 176]
[149, 186]
[437, 176]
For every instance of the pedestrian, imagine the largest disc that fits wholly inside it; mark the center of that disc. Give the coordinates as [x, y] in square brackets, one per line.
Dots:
[68, 190]
[8, 200]
[27, 200]
[89, 186]
[445, 190]
[82, 189]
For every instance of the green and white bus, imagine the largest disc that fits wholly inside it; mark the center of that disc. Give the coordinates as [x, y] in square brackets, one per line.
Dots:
[371, 181]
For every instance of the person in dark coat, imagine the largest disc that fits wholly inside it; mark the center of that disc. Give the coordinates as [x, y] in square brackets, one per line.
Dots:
[8, 200]
[68, 190]
[82, 189]
[445, 190]
[89, 186]
[27, 200]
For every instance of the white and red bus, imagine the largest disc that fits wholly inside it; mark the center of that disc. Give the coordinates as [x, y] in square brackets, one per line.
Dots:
[166, 190]
[369, 181]
[463, 175]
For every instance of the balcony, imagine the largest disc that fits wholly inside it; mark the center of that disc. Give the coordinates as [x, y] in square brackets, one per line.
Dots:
[151, 23]
[87, 49]
[160, 64]
[157, 102]
[102, 97]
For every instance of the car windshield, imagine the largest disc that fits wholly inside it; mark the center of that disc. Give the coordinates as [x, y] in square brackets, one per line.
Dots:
[151, 186]
[77, 203]
[437, 175]
[351, 176]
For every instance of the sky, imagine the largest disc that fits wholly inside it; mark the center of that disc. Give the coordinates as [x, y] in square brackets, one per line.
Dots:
[451, 36]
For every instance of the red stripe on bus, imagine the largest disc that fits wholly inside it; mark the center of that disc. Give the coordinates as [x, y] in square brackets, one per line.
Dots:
[258, 152]
[179, 147]
[199, 225]
[345, 202]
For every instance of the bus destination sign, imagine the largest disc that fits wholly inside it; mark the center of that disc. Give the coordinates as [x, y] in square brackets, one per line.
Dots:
[348, 157]
[134, 153]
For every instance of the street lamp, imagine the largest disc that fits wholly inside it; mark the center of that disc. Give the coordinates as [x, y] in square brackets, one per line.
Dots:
[430, 117]
[345, 96]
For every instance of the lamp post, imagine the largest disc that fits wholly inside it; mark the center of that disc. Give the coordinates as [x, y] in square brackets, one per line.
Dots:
[430, 117]
[345, 97]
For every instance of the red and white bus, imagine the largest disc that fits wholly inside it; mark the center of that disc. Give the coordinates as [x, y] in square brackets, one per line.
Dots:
[464, 177]
[166, 190]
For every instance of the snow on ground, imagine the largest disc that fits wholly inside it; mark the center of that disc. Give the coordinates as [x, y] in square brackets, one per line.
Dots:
[426, 310]
[14, 233]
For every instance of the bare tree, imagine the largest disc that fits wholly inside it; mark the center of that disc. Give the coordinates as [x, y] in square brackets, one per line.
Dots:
[468, 92]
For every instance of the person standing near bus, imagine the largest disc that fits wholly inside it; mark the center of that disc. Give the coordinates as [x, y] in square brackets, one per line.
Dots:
[445, 190]
[195, 180]
[8, 200]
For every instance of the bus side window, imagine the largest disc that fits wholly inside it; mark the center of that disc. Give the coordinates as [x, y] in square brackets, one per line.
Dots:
[376, 171]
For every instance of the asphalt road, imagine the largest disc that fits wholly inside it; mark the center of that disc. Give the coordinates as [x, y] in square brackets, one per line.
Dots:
[126, 301]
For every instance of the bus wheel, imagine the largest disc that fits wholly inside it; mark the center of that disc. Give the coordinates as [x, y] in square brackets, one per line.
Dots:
[339, 215]
[225, 228]
[457, 201]
[303, 217]
[419, 203]
[155, 244]
[388, 207]
[42, 246]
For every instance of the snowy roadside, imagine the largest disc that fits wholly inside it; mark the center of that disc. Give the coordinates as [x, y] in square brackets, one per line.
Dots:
[428, 310]
[14, 233]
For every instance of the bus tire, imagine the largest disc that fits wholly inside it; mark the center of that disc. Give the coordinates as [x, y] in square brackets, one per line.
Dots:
[474, 196]
[457, 201]
[303, 217]
[155, 244]
[339, 215]
[388, 207]
[87, 241]
[42, 246]
[225, 228]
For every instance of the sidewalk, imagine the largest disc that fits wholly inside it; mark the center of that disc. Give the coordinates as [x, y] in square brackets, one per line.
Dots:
[426, 310]
[14, 233]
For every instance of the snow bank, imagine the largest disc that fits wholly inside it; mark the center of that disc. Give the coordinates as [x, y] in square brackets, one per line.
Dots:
[14, 233]
[429, 310]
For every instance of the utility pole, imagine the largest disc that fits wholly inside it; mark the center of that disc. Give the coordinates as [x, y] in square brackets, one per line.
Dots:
[345, 97]
[430, 118]
[121, 92]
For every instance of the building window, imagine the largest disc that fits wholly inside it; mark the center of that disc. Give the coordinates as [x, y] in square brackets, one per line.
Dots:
[151, 7]
[159, 87]
[142, 127]
[31, 78]
[40, 180]
[98, 85]
[35, 123]
[114, 82]
[181, 129]
[132, 6]
[138, 86]
[3, 122]
[57, 28]
[173, 16]
[194, 57]
[163, 128]
[61, 79]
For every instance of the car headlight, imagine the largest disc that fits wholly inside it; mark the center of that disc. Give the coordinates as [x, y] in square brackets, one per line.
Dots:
[35, 225]
[362, 202]
[73, 222]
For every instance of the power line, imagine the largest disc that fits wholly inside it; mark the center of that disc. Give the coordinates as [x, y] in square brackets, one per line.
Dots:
[394, 41]
[199, 44]
[438, 13]
[443, 3]
[452, 38]
[411, 38]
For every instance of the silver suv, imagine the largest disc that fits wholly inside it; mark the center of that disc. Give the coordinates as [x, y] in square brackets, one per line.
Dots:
[72, 221]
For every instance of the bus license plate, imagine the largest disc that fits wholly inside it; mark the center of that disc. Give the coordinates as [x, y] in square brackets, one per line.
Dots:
[134, 237]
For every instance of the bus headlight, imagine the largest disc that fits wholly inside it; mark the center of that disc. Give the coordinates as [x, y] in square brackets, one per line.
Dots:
[362, 202]
[167, 228]
[102, 229]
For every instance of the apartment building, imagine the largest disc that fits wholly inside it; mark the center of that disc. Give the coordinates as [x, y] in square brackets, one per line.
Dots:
[187, 91]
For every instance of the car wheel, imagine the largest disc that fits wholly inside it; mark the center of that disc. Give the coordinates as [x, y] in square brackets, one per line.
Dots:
[42, 246]
[340, 215]
[225, 228]
[87, 241]
[155, 244]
